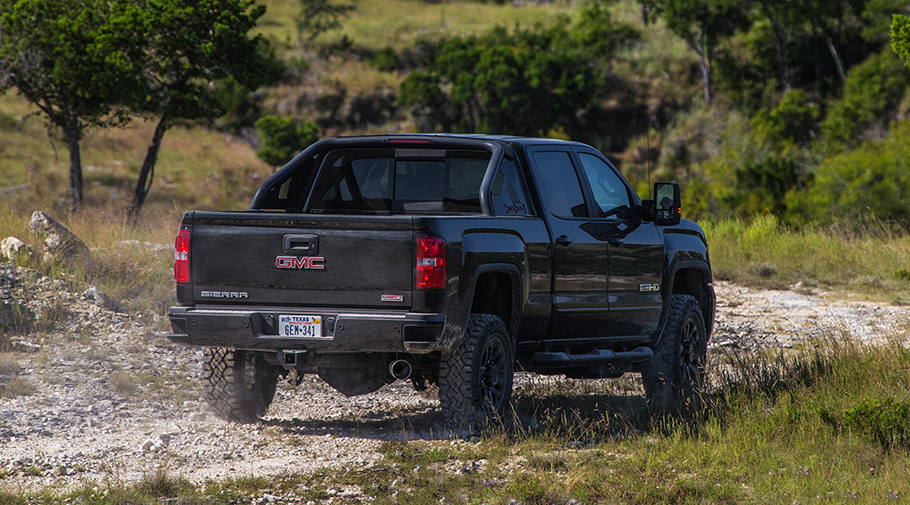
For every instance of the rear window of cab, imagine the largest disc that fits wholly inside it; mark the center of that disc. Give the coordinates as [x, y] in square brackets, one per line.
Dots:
[399, 181]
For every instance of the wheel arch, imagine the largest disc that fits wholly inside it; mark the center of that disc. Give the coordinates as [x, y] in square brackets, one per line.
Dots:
[497, 288]
[693, 278]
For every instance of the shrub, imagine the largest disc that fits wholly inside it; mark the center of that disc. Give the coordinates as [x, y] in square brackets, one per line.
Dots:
[282, 139]
[872, 181]
[795, 119]
[871, 94]
[386, 60]
[886, 421]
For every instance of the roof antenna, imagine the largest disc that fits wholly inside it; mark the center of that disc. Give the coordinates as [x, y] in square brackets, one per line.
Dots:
[648, 155]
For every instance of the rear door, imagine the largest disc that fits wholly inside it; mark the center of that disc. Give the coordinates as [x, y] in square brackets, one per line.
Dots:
[579, 258]
[302, 260]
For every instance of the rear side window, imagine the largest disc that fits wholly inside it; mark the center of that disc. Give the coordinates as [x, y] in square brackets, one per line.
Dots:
[288, 195]
[509, 197]
[560, 183]
[399, 181]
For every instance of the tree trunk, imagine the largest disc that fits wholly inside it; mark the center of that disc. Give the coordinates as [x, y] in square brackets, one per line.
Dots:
[783, 63]
[705, 66]
[837, 61]
[147, 172]
[704, 63]
[72, 140]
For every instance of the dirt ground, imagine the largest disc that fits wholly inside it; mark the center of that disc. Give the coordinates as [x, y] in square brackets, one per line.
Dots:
[113, 400]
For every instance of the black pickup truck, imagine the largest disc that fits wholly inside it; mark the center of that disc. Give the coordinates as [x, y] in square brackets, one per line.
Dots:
[448, 260]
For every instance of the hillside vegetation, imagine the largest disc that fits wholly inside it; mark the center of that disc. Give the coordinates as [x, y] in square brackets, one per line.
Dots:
[793, 156]
[826, 156]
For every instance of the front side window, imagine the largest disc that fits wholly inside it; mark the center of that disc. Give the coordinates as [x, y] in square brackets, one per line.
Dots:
[610, 193]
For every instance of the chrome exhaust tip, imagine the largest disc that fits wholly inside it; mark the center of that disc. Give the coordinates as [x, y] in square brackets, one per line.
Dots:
[400, 369]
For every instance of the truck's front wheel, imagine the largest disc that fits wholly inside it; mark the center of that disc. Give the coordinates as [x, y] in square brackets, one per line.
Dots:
[674, 377]
[475, 379]
[239, 385]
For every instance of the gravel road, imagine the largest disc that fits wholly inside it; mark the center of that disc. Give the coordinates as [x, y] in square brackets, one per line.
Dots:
[113, 400]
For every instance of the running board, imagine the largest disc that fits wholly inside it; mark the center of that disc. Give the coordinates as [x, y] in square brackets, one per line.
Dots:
[596, 357]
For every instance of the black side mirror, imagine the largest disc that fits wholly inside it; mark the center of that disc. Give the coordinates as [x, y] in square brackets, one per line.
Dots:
[668, 204]
[646, 212]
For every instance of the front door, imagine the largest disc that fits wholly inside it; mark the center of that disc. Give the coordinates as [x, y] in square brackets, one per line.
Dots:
[635, 251]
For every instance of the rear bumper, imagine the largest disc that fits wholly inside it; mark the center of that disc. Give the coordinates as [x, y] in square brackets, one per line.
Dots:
[243, 328]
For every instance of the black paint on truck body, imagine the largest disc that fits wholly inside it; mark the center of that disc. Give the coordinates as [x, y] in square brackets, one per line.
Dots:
[594, 282]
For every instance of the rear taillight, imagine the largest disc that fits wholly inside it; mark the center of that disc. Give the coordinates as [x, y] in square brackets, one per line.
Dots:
[431, 263]
[182, 256]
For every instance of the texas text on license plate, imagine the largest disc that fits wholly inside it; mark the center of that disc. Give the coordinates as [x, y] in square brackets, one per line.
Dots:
[300, 326]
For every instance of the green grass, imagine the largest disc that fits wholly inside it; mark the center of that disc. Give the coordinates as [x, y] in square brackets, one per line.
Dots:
[872, 260]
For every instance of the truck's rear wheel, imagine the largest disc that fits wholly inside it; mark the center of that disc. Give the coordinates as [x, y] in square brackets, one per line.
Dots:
[674, 377]
[475, 379]
[239, 385]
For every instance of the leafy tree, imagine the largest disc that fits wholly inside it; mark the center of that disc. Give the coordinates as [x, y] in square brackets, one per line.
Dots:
[871, 94]
[319, 16]
[241, 103]
[190, 44]
[702, 24]
[282, 139]
[900, 37]
[522, 82]
[75, 61]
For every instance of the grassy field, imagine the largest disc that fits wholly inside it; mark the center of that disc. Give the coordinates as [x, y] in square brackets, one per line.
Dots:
[398, 24]
[823, 424]
[871, 260]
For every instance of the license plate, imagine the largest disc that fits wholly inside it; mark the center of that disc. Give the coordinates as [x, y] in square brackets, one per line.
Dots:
[300, 326]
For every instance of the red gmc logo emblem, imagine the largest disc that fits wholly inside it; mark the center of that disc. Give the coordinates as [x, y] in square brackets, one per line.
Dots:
[300, 262]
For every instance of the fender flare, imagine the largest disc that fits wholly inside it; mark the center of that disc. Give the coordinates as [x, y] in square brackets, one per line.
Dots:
[699, 265]
[519, 289]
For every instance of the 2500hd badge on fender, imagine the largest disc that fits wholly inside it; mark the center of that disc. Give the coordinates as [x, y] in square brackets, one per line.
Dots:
[447, 260]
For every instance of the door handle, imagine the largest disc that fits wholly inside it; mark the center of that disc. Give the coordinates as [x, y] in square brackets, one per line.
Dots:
[563, 240]
[301, 244]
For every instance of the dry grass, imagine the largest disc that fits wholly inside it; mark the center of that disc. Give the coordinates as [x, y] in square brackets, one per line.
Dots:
[400, 23]
[14, 387]
[124, 383]
[197, 169]
[9, 364]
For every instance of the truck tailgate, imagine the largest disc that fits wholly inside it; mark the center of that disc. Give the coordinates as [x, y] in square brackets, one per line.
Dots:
[259, 258]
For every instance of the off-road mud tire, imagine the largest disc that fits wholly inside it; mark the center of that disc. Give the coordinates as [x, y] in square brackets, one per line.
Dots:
[475, 379]
[239, 385]
[674, 376]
